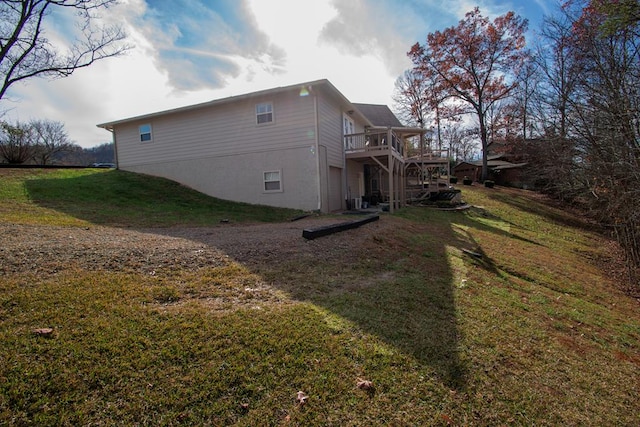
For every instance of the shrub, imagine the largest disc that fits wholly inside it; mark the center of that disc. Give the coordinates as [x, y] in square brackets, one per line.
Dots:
[453, 180]
[489, 184]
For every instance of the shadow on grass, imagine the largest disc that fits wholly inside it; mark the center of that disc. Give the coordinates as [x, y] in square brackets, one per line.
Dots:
[477, 214]
[477, 255]
[540, 206]
[398, 285]
[126, 199]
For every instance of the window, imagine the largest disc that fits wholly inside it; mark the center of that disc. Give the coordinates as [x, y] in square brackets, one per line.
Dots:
[264, 113]
[348, 129]
[272, 181]
[145, 133]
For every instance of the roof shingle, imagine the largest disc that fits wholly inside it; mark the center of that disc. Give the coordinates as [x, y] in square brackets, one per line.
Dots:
[379, 115]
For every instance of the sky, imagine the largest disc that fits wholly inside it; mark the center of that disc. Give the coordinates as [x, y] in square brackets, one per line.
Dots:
[191, 51]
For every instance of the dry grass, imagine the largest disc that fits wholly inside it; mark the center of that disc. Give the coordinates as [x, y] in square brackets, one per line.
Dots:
[533, 331]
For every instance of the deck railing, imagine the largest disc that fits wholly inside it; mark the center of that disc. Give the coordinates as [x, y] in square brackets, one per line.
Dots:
[372, 141]
[428, 155]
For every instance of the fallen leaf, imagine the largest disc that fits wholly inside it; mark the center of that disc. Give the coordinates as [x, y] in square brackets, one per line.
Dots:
[364, 384]
[447, 419]
[301, 398]
[44, 332]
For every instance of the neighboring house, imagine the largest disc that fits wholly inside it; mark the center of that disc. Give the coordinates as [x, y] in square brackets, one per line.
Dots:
[303, 146]
[501, 171]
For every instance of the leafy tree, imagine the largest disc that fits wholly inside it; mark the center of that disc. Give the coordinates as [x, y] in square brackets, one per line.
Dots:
[619, 14]
[474, 61]
[412, 103]
[25, 51]
[15, 142]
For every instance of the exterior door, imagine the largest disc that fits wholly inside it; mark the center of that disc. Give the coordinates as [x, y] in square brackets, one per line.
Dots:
[335, 189]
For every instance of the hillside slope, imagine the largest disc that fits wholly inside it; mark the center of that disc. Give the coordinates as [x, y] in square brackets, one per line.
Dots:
[511, 312]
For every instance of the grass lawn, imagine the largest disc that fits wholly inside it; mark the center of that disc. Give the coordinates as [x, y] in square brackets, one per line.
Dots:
[117, 198]
[509, 313]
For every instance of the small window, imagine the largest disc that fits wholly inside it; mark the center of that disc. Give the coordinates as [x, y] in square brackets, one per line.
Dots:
[272, 181]
[145, 133]
[264, 113]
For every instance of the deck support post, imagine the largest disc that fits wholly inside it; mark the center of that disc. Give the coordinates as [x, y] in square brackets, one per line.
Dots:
[390, 163]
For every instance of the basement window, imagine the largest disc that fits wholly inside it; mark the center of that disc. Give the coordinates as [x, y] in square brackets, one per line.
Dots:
[272, 181]
[145, 133]
[264, 113]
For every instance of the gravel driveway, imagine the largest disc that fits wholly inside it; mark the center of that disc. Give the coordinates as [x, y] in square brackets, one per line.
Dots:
[48, 249]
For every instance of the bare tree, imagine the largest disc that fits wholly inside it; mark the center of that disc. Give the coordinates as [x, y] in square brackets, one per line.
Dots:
[524, 97]
[409, 98]
[26, 52]
[558, 63]
[462, 143]
[15, 143]
[49, 139]
[589, 152]
[607, 117]
[420, 98]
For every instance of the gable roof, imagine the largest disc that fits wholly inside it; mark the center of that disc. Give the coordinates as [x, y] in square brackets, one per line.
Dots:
[307, 87]
[379, 115]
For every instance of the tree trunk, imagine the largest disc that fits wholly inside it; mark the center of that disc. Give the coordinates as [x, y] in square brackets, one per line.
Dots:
[483, 139]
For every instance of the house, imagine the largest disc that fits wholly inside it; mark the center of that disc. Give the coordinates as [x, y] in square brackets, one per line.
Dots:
[501, 171]
[303, 146]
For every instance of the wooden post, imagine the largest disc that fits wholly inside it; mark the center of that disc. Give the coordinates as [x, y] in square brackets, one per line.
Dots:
[391, 170]
[403, 185]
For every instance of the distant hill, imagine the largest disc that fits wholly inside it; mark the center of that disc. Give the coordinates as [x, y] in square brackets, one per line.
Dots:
[103, 153]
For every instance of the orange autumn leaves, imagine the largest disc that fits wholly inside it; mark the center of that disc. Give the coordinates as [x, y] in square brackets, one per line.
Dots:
[474, 63]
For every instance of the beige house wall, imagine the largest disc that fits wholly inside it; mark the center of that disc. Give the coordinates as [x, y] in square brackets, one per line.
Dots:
[355, 179]
[222, 152]
[332, 158]
[240, 177]
[330, 129]
[218, 131]
[331, 140]
[219, 149]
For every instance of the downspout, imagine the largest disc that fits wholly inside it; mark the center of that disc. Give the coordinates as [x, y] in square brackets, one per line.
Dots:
[317, 149]
[115, 148]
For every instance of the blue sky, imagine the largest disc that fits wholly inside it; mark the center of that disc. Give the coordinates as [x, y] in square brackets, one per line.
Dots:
[190, 51]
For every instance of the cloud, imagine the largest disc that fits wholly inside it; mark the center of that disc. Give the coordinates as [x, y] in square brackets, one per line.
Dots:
[199, 42]
[372, 28]
[188, 52]
[75, 102]
[386, 29]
